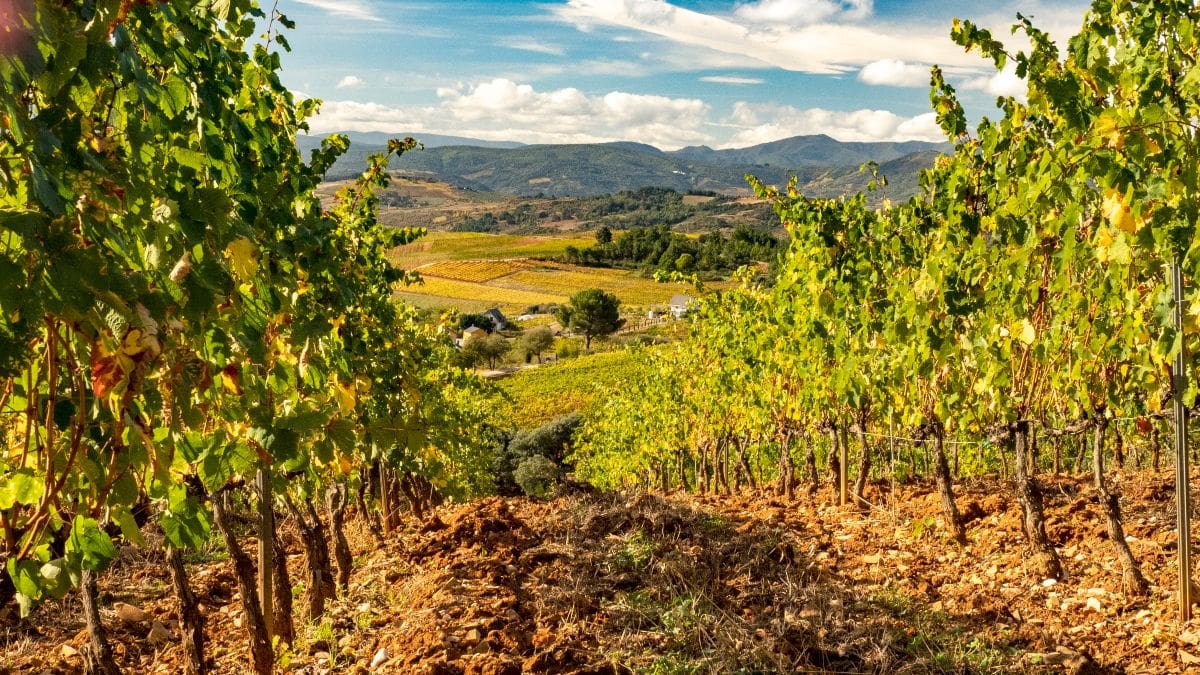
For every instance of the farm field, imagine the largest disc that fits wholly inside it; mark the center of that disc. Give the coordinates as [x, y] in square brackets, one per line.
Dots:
[514, 282]
[441, 246]
[538, 395]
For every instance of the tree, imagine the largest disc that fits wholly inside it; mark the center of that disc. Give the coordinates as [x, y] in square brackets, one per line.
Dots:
[537, 340]
[478, 320]
[592, 312]
[604, 235]
[488, 348]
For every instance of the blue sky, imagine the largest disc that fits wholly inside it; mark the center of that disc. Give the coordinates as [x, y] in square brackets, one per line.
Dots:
[671, 74]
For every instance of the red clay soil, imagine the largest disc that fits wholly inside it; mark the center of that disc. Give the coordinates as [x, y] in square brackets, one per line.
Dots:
[683, 584]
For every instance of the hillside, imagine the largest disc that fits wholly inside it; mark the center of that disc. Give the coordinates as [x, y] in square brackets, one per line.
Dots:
[825, 167]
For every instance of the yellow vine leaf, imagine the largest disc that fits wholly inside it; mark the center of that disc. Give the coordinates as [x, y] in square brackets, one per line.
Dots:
[1027, 334]
[1116, 211]
[241, 253]
[346, 397]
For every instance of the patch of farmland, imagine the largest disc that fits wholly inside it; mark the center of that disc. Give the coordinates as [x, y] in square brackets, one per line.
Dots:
[473, 270]
[443, 246]
[507, 298]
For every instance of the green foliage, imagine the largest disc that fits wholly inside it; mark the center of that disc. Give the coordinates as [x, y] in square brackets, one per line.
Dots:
[659, 248]
[1026, 280]
[575, 385]
[483, 321]
[593, 312]
[189, 309]
[536, 341]
[537, 475]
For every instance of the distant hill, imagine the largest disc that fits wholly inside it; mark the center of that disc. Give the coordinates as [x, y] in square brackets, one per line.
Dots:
[817, 150]
[823, 166]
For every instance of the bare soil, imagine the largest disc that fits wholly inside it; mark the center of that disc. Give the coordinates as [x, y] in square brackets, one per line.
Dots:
[685, 584]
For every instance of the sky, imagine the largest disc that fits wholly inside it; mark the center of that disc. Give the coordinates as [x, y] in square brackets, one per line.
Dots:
[669, 74]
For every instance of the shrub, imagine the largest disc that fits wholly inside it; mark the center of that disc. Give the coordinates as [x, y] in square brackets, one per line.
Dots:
[537, 475]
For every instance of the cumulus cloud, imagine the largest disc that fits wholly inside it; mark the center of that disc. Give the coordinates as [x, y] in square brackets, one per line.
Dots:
[1003, 83]
[895, 73]
[727, 79]
[760, 123]
[351, 9]
[821, 46]
[800, 12]
[502, 109]
[349, 81]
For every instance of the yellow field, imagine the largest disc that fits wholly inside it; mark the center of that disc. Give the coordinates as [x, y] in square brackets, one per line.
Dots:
[566, 280]
[472, 270]
[508, 299]
[442, 246]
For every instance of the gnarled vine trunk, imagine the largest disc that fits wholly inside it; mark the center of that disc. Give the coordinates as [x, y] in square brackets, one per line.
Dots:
[1133, 580]
[1029, 494]
[864, 463]
[191, 621]
[283, 626]
[335, 502]
[319, 585]
[261, 653]
[98, 656]
[945, 488]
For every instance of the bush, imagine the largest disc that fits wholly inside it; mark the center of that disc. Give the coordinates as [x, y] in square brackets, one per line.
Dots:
[550, 442]
[537, 475]
[566, 348]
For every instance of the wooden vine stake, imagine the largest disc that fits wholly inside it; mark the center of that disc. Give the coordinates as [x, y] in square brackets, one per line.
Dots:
[1182, 497]
[266, 541]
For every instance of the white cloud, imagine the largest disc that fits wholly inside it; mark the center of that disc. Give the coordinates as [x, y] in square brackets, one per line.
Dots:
[760, 123]
[892, 72]
[727, 79]
[349, 81]
[538, 47]
[1003, 83]
[821, 48]
[351, 9]
[502, 109]
[801, 12]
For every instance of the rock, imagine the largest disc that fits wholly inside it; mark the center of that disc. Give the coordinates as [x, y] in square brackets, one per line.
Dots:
[474, 635]
[380, 657]
[872, 559]
[321, 657]
[158, 634]
[68, 651]
[1093, 604]
[129, 613]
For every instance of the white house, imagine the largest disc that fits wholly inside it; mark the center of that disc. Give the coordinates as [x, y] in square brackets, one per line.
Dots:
[497, 318]
[680, 304]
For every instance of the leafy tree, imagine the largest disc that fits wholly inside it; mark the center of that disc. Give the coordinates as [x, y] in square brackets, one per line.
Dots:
[489, 348]
[604, 235]
[592, 312]
[537, 340]
[477, 320]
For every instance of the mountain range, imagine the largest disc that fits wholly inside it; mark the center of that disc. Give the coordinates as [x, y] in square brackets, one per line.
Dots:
[823, 166]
